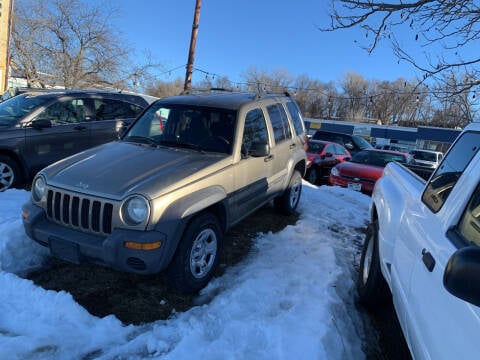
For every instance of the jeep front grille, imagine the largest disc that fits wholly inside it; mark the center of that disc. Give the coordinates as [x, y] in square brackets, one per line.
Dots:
[80, 212]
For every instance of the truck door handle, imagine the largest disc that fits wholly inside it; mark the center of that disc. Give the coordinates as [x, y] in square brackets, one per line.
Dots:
[268, 158]
[80, 127]
[428, 260]
[293, 146]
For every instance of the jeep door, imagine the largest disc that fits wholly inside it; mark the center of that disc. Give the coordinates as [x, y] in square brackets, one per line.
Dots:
[252, 170]
[68, 134]
[281, 151]
[440, 325]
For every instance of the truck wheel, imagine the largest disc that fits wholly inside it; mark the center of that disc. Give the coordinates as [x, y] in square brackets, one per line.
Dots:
[10, 175]
[288, 201]
[372, 287]
[197, 255]
[312, 176]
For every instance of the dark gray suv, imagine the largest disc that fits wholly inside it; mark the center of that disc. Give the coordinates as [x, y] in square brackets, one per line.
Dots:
[40, 128]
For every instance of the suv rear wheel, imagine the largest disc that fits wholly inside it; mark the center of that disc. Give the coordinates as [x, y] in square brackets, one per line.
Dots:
[197, 255]
[10, 175]
[288, 201]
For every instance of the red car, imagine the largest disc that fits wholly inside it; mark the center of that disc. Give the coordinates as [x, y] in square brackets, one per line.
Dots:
[365, 168]
[322, 156]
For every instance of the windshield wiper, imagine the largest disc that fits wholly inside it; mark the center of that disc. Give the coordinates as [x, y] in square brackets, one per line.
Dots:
[182, 144]
[141, 139]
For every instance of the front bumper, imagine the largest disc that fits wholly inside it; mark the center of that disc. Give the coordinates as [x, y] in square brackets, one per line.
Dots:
[77, 246]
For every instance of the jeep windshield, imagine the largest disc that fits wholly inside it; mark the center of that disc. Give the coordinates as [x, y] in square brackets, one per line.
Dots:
[15, 108]
[190, 127]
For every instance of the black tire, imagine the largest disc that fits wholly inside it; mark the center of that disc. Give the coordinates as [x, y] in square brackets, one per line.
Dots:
[10, 174]
[371, 285]
[197, 255]
[288, 201]
[312, 175]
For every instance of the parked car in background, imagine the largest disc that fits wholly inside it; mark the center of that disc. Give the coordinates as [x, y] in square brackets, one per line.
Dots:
[321, 157]
[393, 147]
[427, 158]
[365, 168]
[352, 143]
[40, 128]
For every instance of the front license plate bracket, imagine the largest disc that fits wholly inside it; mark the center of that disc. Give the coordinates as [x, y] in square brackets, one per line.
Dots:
[64, 250]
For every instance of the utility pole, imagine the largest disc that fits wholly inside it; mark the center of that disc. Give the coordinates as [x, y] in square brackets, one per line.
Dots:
[191, 51]
[6, 19]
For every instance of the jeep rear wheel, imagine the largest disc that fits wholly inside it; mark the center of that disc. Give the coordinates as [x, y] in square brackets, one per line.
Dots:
[9, 173]
[197, 255]
[288, 201]
[372, 287]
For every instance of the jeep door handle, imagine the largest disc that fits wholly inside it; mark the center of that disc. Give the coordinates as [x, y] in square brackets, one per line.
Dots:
[293, 146]
[80, 127]
[428, 260]
[268, 158]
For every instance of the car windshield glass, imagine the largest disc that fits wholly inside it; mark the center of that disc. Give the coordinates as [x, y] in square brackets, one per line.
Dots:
[361, 142]
[377, 158]
[423, 155]
[314, 147]
[192, 127]
[17, 107]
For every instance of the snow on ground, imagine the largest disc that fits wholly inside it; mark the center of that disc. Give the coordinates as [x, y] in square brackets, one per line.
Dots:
[292, 298]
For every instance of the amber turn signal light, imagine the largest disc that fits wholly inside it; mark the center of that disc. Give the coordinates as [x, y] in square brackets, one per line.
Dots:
[142, 246]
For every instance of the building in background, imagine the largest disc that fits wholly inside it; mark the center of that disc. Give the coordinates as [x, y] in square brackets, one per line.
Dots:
[6, 7]
[423, 137]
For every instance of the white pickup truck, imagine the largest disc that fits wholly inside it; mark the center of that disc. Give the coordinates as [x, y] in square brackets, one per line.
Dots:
[423, 249]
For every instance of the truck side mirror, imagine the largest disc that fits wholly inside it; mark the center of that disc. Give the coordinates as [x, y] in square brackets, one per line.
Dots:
[462, 274]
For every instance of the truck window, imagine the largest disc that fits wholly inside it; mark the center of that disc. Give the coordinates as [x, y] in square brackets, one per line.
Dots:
[447, 174]
[469, 226]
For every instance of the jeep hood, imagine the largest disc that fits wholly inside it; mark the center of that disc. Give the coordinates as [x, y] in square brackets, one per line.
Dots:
[117, 169]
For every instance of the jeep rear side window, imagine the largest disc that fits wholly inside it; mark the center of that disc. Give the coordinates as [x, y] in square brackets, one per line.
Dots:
[278, 118]
[296, 117]
[255, 129]
[452, 167]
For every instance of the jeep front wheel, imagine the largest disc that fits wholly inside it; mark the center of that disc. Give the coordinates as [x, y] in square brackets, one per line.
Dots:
[288, 201]
[197, 255]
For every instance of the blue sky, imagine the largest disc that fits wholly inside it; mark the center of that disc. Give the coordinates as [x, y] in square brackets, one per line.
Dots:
[267, 34]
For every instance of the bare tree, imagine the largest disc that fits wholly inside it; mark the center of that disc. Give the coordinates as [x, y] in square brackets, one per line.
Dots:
[260, 80]
[451, 26]
[163, 88]
[71, 43]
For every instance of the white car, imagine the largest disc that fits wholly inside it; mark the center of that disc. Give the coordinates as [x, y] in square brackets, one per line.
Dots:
[427, 158]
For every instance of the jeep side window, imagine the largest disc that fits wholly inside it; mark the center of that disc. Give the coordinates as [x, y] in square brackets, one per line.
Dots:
[278, 118]
[255, 130]
[447, 174]
[296, 117]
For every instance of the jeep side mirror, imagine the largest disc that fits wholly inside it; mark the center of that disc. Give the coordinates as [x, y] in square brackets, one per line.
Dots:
[259, 149]
[462, 274]
[41, 124]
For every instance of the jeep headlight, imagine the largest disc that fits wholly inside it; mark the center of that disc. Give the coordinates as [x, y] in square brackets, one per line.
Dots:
[335, 172]
[38, 188]
[135, 210]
